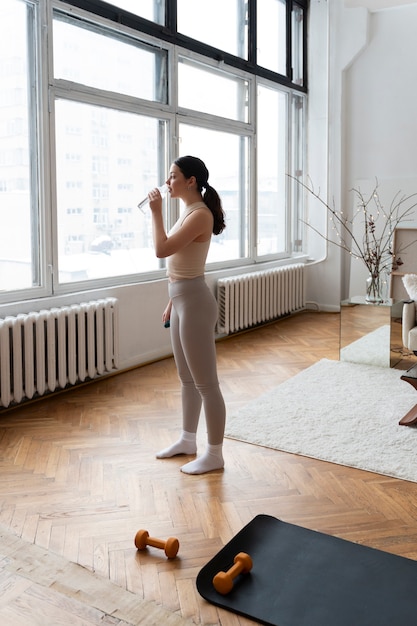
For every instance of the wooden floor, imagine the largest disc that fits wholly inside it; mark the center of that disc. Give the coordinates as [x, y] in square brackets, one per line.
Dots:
[78, 478]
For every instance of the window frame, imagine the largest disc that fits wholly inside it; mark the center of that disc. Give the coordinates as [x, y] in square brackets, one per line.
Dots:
[125, 25]
[168, 33]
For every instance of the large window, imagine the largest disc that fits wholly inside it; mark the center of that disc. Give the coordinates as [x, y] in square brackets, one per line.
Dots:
[92, 114]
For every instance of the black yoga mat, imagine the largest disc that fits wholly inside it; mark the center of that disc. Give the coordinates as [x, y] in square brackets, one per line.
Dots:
[301, 577]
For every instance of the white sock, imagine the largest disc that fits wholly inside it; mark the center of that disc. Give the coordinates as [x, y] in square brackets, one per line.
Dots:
[211, 460]
[186, 444]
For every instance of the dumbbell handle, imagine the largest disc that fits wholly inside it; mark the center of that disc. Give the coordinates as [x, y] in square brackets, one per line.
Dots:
[156, 543]
[236, 569]
[171, 545]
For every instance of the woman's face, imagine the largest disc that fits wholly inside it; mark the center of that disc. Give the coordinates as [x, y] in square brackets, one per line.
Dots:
[177, 183]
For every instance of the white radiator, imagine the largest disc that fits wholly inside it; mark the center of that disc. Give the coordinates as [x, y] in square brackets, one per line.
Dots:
[51, 349]
[252, 299]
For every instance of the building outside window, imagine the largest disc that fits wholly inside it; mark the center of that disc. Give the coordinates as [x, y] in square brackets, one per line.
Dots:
[92, 115]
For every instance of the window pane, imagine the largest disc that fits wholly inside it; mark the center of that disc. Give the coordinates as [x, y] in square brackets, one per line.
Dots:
[106, 162]
[112, 66]
[153, 10]
[271, 167]
[221, 23]
[226, 158]
[297, 44]
[233, 102]
[271, 35]
[19, 239]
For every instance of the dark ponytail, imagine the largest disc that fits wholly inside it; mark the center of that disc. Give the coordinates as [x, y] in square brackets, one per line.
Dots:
[193, 166]
[214, 203]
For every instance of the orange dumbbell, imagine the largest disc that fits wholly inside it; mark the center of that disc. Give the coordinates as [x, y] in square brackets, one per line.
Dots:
[223, 581]
[171, 545]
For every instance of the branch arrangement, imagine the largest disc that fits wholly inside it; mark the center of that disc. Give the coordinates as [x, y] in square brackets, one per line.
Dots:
[375, 246]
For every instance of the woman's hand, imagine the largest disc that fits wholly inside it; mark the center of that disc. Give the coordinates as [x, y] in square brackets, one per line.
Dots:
[155, 200]
[166, 315]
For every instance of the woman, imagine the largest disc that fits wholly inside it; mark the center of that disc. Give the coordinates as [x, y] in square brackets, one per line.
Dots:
[192, 308]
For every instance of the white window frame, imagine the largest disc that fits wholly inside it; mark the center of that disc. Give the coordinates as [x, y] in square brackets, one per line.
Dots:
[49, 89]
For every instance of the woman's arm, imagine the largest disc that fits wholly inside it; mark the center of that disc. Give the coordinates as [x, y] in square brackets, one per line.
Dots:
[196, 227]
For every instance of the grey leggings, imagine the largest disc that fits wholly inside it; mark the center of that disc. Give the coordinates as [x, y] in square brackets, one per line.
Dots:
[193, 320]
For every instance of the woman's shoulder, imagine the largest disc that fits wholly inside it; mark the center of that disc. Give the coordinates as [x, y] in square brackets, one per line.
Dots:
[198, 210]
[197, 205]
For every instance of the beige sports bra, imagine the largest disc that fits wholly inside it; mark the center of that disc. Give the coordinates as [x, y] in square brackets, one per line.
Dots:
[189, 262]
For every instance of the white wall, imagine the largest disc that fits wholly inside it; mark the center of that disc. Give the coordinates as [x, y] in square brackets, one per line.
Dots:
[372, 91]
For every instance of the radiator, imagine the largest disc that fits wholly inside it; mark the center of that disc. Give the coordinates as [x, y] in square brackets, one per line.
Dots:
[48, 350]
[252, 299]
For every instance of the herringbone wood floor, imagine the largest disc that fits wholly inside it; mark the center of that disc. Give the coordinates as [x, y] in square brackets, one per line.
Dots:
[79, 478]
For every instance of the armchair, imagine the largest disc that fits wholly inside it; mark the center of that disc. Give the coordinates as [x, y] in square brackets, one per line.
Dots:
[409, 339]
[409, 325]
[409, 314]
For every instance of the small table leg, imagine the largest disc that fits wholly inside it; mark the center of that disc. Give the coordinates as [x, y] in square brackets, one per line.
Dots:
[410, 418]
[410, 376]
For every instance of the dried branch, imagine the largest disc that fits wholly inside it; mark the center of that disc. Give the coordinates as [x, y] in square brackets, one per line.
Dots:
[375, 246]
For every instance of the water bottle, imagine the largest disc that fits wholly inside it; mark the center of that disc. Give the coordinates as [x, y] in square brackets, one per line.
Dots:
[162, 190]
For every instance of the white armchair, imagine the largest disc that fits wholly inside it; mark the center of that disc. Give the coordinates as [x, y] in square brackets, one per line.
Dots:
[409, 325]
[409, 339]
[409, 314]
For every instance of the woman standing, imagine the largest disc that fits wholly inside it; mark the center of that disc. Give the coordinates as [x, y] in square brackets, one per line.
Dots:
[192, 308]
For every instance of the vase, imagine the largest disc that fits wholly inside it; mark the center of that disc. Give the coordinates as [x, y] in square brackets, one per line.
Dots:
[374, 288]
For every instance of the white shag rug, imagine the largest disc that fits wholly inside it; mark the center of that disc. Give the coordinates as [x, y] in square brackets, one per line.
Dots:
[372, 349]
[345, 413]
